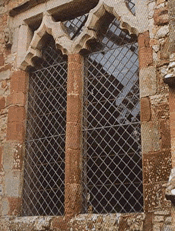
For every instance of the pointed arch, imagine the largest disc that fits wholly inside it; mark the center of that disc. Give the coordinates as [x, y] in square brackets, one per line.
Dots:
[97, 16]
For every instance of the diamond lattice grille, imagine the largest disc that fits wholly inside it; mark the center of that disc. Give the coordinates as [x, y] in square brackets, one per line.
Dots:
[112, 175]
[131, 5]
[43, 191]
[75, 26]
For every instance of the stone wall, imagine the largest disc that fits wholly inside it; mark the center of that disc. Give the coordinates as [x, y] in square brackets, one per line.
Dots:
[156, 119]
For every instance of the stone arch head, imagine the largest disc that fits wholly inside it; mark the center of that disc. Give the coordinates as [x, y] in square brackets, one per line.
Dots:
[98, 19]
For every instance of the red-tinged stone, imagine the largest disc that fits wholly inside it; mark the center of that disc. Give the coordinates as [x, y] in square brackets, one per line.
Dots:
[19, 80]
[145, 109]
[1, 60]
[161, 16]
[16, 114]
[2, 103]
[14, 206]
[156, 166]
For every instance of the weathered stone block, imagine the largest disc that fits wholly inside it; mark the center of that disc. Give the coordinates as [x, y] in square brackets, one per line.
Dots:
[160, 106]
[75, 58]
[59, 223]
[158, 219]
[19, 80]
[165, 134]
[145, 50]
[162, 32]
[15, 131]
[2, 103]
[164, 49]
[144, 39]
[154, 195]
[14, 206]
[9, 149]
[1, 59]
[73, 199]
[16, 114]
[4, 75]
[145, 109]
[156, 167]
[75, 74]
[73, 136]
[161, 16]
[145, 57]
[12, 184]
[74, 108]
[73, 166]
[150, 137]
[148, 83]
[18, 98]
[5, 206]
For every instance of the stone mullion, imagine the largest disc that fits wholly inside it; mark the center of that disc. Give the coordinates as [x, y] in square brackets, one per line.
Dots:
[73, 135]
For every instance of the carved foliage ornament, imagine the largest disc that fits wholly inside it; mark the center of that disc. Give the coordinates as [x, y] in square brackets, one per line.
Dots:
[118, 8]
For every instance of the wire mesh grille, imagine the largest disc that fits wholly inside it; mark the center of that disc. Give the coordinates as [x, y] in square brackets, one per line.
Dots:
[131, 5]
[43, 190]
[75, 25]
[112, 175]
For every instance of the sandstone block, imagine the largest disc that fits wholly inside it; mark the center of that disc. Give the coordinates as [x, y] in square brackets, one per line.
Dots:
[73, 199]
[148, 82]
[8, 156]
[15, 131]
[73, 135]
[156, 166]
[1, 60]
[150, 137]
[165, 134]
[73, 166]
[4, 75]
[162, 32]
[2, 103]
[74, 108]
[161, 16]
[12, 184]
[18, 98]
[16, 114]
[145, 57]
[145, 109]
[154, 195]
[19, 80]
[14, 206]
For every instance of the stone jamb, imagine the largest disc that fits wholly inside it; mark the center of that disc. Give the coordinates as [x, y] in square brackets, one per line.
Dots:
[14, 145]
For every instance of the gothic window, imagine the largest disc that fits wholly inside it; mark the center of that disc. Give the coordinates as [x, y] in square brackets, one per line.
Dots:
[43, 191]
[112, 169]
[111, 136]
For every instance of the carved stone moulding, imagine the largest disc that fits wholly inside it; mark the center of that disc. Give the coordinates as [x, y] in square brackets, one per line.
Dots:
[96, 16]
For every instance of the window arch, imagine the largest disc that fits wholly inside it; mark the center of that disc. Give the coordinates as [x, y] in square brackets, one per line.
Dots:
[43, 190]
[112, 169]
